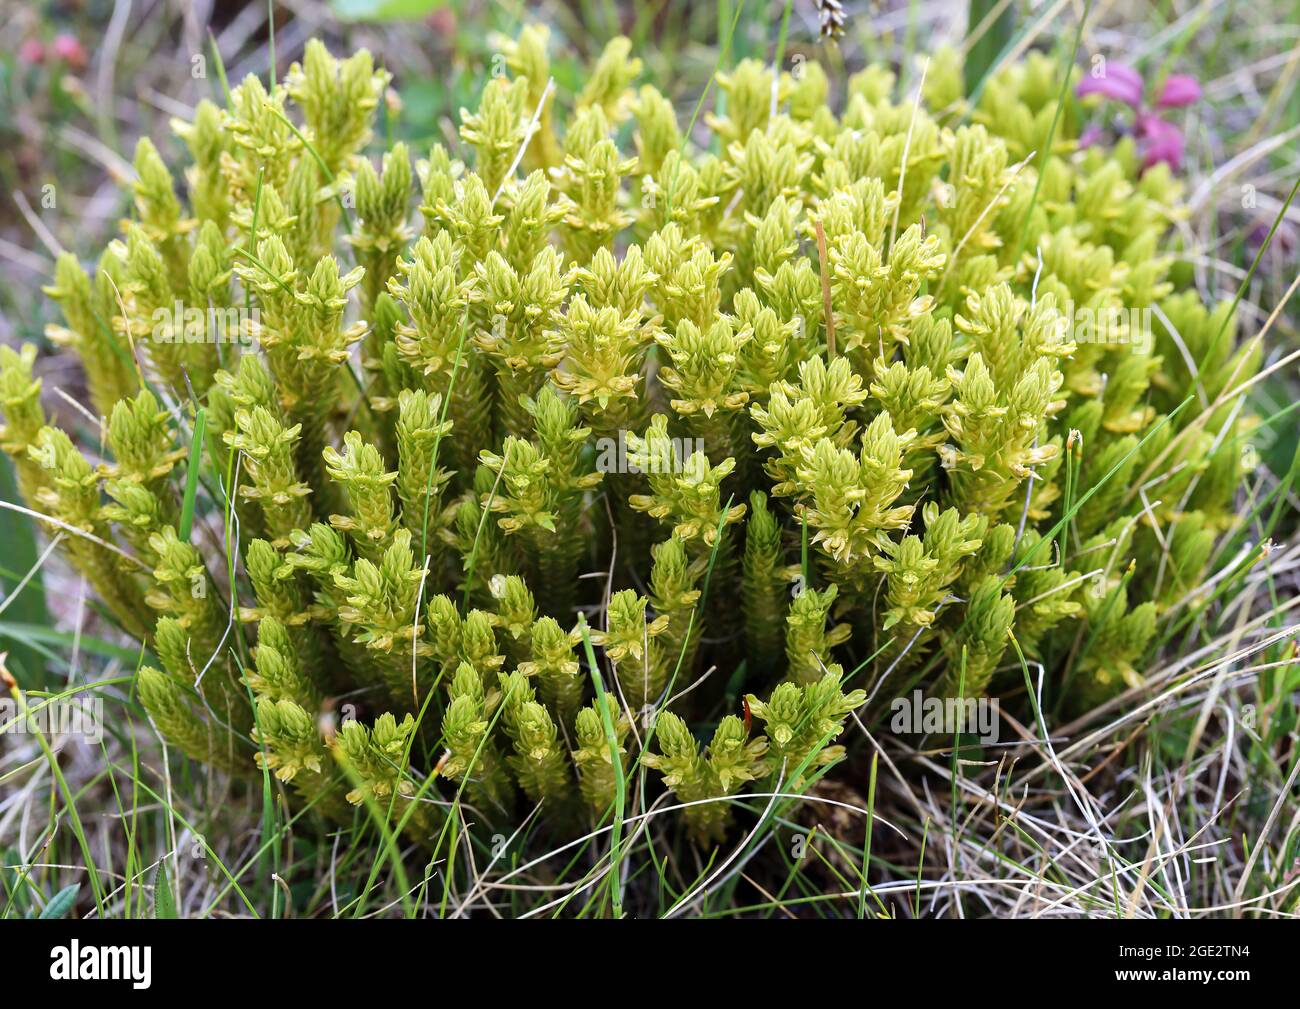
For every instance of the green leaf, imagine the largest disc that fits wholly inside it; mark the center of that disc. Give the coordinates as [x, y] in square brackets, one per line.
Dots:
[61, 903]
[164, 903]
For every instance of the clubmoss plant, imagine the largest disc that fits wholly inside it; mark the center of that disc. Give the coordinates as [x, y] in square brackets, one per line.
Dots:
[577, 371]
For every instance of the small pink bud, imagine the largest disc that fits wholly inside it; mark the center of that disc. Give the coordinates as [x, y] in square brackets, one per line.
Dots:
[1285, 238]
[1179, 90]
[1117, 81]
[70, 51]
[443, 22]
[31, 52]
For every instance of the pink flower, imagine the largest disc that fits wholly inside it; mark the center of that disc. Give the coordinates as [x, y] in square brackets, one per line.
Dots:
[1116, 81]
[1160, 141]
[31, 52]
[1179, 90]
[69, 50]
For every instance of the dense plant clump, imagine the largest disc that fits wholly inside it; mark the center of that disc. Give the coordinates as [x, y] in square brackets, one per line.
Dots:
[594, 381]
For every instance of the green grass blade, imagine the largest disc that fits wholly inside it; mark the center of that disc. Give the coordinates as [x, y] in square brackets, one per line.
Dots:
[192, 475]
[993, 40]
